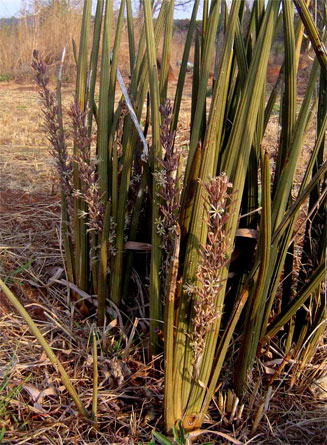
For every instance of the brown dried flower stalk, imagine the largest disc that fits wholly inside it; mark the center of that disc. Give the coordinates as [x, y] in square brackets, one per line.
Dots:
[55, 132]
[87, 171]
[213, 260]
[169, 189]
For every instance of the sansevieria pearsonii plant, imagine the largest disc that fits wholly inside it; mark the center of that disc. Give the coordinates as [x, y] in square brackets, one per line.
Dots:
[220, 217]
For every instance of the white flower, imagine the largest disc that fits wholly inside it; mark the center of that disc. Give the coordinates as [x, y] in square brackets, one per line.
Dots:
[82, 214]
[160, 230]
[190, 288]
[216, 211]
[160, 176]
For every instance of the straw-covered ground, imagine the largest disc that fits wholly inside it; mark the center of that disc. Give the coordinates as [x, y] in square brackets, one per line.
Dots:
[34, 405]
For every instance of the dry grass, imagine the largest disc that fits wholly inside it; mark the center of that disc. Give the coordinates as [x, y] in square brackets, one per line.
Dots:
[48, 30]
[51, 29]
[34, 406]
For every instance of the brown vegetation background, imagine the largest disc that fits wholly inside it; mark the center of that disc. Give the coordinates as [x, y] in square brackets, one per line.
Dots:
[51, 28]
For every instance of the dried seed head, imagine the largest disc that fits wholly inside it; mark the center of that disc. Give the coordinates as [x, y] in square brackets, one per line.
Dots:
[213, 259]
[168, 190]
[89, 191]
[55, 132]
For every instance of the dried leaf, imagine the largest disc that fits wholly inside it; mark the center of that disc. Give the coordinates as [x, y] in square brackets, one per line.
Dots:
[134, 245]
[277, 361]
[198, 433]
[318, 388]
[247, 233]
[38, 395]
[43, 357]
[89, 361]
[113, 323]
[33, 391]
[269, 371]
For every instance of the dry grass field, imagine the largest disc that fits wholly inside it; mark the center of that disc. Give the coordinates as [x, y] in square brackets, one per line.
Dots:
[34, 406]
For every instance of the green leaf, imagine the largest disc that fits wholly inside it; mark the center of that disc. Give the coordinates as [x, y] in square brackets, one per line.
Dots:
[181, 432]
[2, 434]
[162, 439]
[155, 302]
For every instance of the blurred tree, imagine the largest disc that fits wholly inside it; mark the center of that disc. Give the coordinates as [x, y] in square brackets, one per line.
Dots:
[37, 5]
[179, 4]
